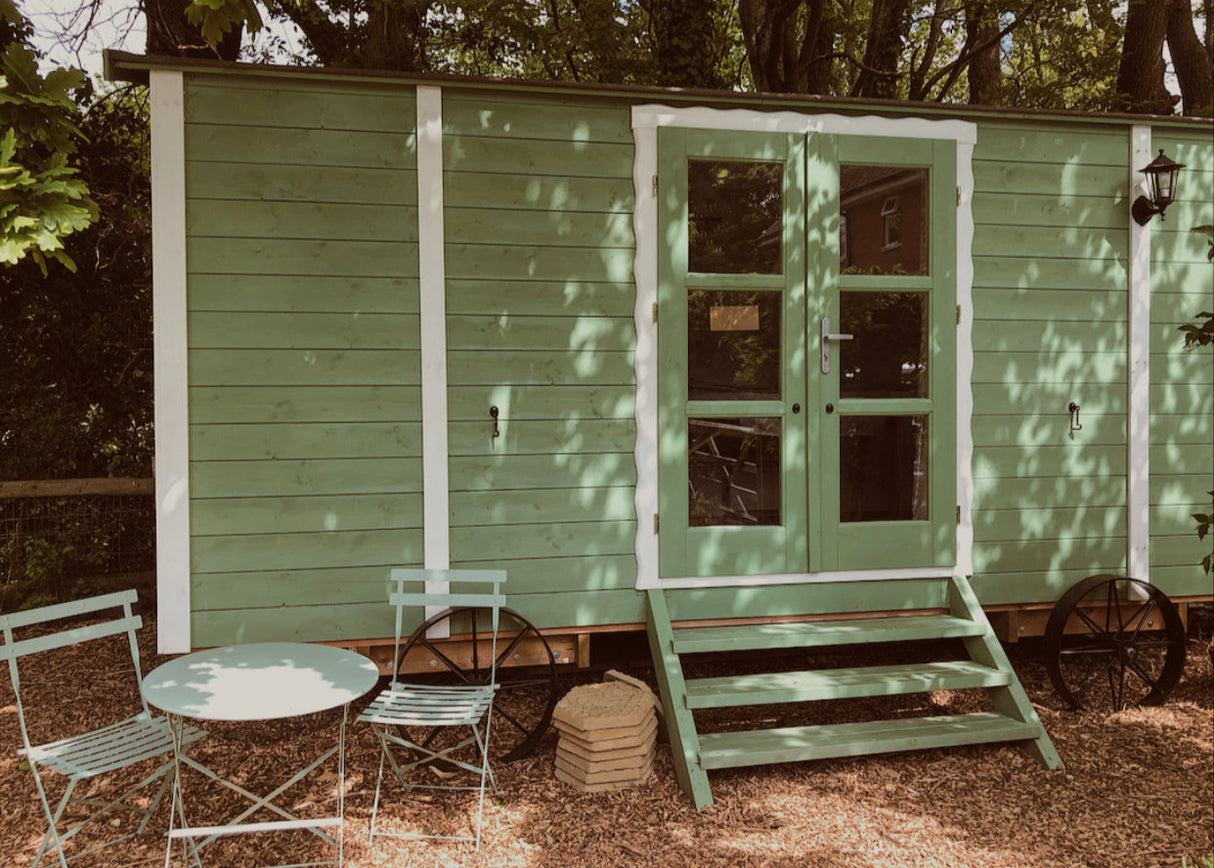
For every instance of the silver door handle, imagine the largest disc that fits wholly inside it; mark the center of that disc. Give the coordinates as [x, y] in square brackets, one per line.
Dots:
[827, 337]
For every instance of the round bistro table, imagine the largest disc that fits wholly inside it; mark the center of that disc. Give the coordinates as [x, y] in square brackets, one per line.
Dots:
[258, 682]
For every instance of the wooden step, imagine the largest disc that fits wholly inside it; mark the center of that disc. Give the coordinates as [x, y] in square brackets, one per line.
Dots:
[797, 744]
[816, 634]
[767, 688]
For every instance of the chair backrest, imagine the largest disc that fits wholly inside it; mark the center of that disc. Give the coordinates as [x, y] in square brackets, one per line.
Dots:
[439, 591]
[13, 649]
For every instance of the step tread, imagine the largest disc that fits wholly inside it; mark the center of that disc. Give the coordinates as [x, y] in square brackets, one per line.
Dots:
[808, 634]
[797, 744]
[812, 685]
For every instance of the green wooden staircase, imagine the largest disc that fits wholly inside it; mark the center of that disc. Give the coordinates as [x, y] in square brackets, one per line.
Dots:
[987, 667]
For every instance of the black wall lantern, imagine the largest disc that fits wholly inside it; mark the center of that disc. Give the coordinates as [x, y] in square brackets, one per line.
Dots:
[1161, 174]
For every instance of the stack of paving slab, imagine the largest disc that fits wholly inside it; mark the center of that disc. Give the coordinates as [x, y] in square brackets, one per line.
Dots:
[607, 735]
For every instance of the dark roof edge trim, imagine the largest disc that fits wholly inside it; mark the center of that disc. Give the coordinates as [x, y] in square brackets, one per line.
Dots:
[124, 66]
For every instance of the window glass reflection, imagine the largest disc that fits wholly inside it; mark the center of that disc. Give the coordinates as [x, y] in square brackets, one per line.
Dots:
[733, 345]
[887, 357]
[734, 217]
[733, 471]
[883, 468]
[885, 211]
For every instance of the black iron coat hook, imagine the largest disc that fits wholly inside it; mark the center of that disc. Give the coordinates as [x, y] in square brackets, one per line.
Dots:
[497, 432]
[1075, 426]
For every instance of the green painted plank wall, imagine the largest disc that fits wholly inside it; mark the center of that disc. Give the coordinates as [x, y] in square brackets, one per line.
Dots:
[1050, 327]
[1182, 383]
[305, 399]
[539, 324]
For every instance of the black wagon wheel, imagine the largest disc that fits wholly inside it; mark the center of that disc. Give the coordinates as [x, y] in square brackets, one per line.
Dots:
[526, 674]
[1114, 642]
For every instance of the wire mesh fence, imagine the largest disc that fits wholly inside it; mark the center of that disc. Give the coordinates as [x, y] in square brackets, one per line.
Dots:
[57, 535]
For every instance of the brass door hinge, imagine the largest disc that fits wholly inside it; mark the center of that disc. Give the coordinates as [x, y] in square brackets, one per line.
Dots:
[958, 515]
[958, 197]
[655, 311]
[655, 522]
[958, 314]
[655, 186]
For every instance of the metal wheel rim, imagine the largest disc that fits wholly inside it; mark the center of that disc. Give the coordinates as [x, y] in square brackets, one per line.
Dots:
[513, 736]
[1116, 660]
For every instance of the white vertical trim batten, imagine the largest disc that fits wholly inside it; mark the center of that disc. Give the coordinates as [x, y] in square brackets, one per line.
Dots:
[1138, 405]
[965, 357]
[172, 463]
[432, 279]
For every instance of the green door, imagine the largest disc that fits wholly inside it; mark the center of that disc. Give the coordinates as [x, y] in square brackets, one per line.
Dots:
[806, 346]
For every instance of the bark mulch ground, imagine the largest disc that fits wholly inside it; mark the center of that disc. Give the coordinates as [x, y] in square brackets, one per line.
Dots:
[1137, 792]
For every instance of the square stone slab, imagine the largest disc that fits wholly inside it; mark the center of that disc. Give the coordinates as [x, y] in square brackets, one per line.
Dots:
[609, 705]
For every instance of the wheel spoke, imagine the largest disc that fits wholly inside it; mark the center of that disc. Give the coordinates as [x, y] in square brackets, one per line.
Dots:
[510, 649]
[454, 667]
[501, 712]
[1092, 675]
[1096, 629]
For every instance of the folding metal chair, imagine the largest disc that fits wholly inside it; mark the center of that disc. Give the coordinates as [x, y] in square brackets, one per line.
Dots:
[99, 751]
[414, 719]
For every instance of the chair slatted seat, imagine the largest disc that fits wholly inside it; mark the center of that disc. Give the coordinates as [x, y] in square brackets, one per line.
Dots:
[433, 707]
[101, 751]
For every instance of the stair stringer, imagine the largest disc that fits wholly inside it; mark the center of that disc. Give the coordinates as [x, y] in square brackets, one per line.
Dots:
[680, 725]
[1012, 700]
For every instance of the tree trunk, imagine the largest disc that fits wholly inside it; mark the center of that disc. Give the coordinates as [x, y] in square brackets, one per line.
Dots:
[886, 32]
[395, 36]
[169, 33]
[985, 74]
[1194, 71]
[764, 32]
[1140, 86]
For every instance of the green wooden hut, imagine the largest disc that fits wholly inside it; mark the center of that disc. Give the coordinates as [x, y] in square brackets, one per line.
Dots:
[670, 356]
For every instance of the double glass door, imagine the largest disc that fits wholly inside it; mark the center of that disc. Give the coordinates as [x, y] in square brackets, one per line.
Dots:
[806, 344]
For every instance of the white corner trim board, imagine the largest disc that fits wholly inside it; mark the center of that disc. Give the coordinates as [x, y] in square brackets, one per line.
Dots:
[172, 463]
[1138, 404]
[646, 119]
[432, 279]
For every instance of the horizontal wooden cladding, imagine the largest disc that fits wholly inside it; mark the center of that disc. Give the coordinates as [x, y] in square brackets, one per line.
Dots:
[277, 294]
[283, 256]
[1182, 398]
[560, 403]
[1078, 553]
[332, 622]
[1183, 429]
[1110, 245]
[1180, 492]
[520, 367]
[581, 578]
[1014, 398]
[500, 191]
[297, 477]
[1054, 365]
[1051, 178]
[315, 221]
[1015, 525]
[1012, 207]
[1050, 268]
[305, 403]
[528, 472]
[273, 182]
[1043, 585]
[333, 106]
[229, 143]
[544, 437]
[559, 333]
[563, 539]
[539, 263]
[539, 298]
[305, 441]
[546, 228]
[287, 551]
[1042, 491]
[1178, 302]
[1051, 428]
[542, 506]
[462, 153]
[361, 330]
[303, 367]
[1179, 550]
[483, 114]
[1049, 461]
[1057, 143]
[1178, 458]
[1049, 304]
[221, 516]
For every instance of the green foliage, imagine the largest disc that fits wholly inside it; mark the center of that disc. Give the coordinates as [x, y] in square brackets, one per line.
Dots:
[1204, 521]
[42, 199]
[1208, 231]
[76, 358]
[1206, 862]
[216, 18]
